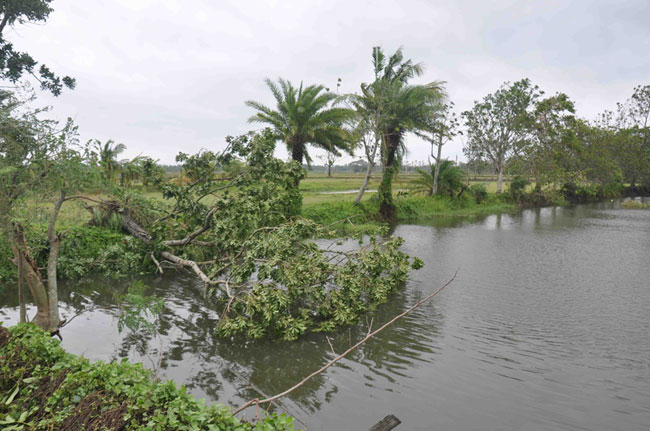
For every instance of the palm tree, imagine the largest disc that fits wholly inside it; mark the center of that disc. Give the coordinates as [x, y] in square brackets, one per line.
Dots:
[108, 153]
[396, 107]
[304, 116]
[451, 179]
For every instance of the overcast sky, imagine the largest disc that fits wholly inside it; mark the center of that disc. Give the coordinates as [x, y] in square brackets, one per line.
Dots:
[164, 76]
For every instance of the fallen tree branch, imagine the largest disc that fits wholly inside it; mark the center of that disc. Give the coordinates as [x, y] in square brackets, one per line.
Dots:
[192, 265]
[344, 354]
[190, 238]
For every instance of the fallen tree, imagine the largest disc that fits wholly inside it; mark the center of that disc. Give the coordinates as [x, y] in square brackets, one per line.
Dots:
[236, 226]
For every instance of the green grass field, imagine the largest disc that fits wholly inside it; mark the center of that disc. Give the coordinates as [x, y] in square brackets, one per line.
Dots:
[317, 195]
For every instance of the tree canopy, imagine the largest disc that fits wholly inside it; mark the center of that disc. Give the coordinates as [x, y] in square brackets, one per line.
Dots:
[14, 64]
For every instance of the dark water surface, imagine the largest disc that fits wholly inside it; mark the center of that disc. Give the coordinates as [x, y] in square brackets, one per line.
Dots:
[547, 327]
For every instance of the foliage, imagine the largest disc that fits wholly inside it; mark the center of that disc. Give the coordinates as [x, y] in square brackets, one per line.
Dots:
[106, 155]
[396, 107]
[479, 192]
[549, 142]
[256, 254]
[581, 193]
[631, 204]
[451, 179]
[101, 251]
[313, 290]
[14, 65]
[518, 188]
[303, 116]
[53, 388]
[496, 126]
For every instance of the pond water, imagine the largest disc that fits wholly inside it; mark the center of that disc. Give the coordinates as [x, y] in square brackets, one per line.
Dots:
[547, 327]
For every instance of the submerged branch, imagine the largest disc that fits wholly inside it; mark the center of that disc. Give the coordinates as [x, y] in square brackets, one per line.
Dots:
[344, 354]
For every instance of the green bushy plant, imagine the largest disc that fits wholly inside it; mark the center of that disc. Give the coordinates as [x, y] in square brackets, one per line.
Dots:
[479, 192]
[43, 388]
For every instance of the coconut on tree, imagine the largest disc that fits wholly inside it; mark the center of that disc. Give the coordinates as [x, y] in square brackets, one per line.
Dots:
[304, 116]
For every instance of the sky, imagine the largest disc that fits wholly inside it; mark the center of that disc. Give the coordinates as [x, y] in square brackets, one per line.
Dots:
[165, 76]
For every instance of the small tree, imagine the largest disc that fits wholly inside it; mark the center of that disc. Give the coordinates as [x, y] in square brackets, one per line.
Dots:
[443, 127]
[496, 126]
[548, 140]
[37, 160]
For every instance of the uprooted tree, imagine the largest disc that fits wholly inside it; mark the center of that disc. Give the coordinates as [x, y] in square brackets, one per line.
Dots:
[236, 226]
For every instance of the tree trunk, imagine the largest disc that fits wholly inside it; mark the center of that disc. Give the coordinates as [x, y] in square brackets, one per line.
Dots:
[364, 186]
[52, 259]
[33, 278]
[297, 154]
[21, 279]
[386, 424]
[436, 173]
[499, 179]
[385, 192]
[329, 171]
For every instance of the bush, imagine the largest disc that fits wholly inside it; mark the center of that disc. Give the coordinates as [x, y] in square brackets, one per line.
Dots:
[84, 250]
[591, 192]
[478, 192]
[517, 188]
[99, 250]
[46, 388]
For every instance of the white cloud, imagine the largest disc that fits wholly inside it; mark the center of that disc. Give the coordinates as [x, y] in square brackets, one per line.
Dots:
[166, 76]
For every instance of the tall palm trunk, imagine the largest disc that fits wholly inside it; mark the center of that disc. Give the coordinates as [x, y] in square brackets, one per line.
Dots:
[297, 154]
[385, 191]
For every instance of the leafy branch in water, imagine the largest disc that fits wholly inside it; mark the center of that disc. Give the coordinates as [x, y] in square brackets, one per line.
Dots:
[233, 220]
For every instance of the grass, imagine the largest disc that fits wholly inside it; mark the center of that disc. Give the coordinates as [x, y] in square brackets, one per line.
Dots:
[326, 208]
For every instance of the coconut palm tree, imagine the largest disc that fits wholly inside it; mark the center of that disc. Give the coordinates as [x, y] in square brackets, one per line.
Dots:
[108, 153]
[396, 108]
[304, 116]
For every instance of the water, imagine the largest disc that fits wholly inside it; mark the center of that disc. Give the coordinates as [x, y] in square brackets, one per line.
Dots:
[547, 327]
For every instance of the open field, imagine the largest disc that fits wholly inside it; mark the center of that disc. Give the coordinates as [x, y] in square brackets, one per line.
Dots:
[315, 190]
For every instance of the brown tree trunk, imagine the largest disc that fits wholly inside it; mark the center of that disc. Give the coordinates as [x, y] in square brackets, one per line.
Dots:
[297, 154]
[21, 279]
[364, 186]
[33, 278]
[386, 424]
[436, 172]
[53, 257]
[385, 192]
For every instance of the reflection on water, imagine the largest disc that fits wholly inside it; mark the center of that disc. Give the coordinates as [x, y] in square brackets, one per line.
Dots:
[546, 327]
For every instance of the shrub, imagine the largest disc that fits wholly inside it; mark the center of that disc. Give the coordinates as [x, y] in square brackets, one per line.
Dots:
[47, 388]
[479, 192]
[517, 188]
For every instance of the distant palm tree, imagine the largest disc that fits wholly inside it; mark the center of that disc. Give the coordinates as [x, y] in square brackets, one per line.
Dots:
[108, 153]
[304, 116]
[396, 107]
[451, 179]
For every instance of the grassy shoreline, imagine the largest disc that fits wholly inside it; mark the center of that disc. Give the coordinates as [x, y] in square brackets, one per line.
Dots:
[347, 218]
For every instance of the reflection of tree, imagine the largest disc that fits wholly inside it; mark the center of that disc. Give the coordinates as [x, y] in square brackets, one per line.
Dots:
[236, 369]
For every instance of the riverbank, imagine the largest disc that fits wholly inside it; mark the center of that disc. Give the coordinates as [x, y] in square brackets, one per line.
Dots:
[44, 387]
[346, 218]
